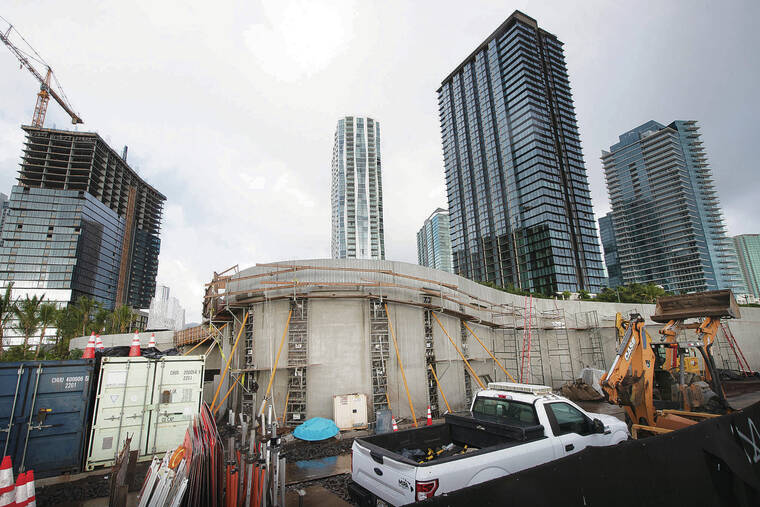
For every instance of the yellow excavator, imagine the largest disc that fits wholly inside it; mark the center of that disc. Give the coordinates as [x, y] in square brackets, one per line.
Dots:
[659, 382]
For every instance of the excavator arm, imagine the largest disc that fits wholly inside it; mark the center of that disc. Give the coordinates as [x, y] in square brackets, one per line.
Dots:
[629, 380]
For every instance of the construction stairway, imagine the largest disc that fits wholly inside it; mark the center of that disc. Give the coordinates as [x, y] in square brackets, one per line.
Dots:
[295, 412]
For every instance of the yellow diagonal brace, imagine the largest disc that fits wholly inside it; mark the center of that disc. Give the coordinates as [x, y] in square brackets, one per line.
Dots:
[489, 352]
[439, 387]
[472, 372]
[401, 365]
[276, 361]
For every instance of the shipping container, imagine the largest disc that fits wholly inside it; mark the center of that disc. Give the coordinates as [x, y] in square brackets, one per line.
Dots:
[44, 412]
[350, 411]
[151, 400]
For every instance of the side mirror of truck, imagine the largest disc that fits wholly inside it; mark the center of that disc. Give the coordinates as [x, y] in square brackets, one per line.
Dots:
[598, 426]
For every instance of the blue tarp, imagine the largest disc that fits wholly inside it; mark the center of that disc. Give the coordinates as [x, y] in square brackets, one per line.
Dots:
[315, 429]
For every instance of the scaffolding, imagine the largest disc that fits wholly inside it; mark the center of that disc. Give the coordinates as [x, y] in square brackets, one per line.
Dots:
[554, 326]
[250, 386]
[592, 353]
[295, 411]
[430, 364]
[531, 364]
[379, 355]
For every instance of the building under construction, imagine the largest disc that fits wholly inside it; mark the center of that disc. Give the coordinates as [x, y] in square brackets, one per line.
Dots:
[407, 336]
[80, 222]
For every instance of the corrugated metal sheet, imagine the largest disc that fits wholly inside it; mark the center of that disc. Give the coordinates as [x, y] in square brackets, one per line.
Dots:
[152, 400]
[44, 412]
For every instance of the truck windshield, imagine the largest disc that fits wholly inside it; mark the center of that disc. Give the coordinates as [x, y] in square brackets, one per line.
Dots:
[507, 410]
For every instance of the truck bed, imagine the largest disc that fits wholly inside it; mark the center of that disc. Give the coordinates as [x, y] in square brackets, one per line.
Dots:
[461, 430]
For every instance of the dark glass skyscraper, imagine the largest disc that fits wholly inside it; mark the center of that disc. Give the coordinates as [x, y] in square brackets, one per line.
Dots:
[666, 215]
[519, 199]
[607, 233]
[80, 222]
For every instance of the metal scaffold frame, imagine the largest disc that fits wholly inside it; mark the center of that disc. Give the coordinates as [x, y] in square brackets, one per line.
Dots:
[430, 363]
[554, 327]
[380, 347]
[592, 353]
[298, 360]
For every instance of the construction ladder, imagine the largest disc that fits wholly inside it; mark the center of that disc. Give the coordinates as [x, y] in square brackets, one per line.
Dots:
[467, 376]
[592, 354]
[379, 341]
[741, 361]
[295, 412]
[559, 347]
[531, 369]
[248, 402]
[430, 360]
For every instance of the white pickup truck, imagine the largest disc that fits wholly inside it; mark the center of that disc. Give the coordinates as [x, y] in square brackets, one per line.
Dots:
[510, 427]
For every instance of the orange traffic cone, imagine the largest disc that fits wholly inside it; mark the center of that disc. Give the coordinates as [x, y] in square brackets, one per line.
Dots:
[152, 342]
[393, 422]
[429, 417]
[31, 496]
[7, 495]
[134, 350]
[21, 490]
[89, 351]
[99, 343]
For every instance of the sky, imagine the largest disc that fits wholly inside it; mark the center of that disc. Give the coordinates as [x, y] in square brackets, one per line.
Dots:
[229, 108]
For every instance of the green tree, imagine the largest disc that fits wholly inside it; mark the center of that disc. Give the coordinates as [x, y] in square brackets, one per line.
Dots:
[123, 317]
[47, 315]
[67, 322]
[565, 295]
[28, 317]
[584, 295]
[6, 312]
[101, 321]
[85, 306]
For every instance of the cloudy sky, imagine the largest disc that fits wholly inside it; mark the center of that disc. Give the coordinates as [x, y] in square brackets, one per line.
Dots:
[229, 108]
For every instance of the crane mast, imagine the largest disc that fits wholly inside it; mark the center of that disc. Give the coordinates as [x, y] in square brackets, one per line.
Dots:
[46, 90]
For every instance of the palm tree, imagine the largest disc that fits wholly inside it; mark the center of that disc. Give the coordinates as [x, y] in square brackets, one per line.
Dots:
[67, 326]
[47, 316]
[85, 305]
[6, 312]
[123, 318]
[27, 314]
[101, 320]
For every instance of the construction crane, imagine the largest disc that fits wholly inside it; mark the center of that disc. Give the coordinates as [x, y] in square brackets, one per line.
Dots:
[46, 90]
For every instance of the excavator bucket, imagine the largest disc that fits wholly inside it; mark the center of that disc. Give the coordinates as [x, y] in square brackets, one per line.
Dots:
[716, 304]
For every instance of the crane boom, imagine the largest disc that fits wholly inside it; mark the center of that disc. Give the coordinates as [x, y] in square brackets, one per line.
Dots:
[46, 91]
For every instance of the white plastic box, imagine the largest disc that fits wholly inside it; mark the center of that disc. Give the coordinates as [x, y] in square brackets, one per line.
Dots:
[151, 400]
[350, 411]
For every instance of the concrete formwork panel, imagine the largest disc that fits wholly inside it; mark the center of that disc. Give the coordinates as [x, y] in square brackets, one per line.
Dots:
[338, 353]
[450, 367]
[408, 325]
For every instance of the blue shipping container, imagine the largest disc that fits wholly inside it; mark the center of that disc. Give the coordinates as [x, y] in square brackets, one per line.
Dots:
[44, 413]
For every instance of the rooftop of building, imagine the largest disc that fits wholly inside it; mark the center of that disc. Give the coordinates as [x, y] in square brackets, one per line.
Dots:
[96, 136]
[511, 20]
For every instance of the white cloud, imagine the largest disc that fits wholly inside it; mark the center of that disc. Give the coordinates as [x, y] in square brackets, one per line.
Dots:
[296, 39]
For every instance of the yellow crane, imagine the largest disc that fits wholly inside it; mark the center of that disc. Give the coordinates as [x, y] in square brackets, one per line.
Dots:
[46, 87]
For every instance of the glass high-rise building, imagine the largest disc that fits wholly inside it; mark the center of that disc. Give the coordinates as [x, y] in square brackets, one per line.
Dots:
[434, 242]
[667, 221]
[748, 251]
[80, 222]
[519, 200]
[357, 190]
[609, 244]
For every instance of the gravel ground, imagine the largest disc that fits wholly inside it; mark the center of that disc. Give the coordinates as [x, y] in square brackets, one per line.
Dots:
[300, 450]
[95, 486]
[337, 484]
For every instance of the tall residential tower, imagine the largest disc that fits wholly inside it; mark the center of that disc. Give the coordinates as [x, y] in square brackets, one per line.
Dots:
[357, 190]
[667, 221]
[519, 198]
[748, 251]
[434, 242]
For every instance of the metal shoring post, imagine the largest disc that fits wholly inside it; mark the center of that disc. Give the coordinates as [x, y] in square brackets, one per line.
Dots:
[31, 414]
[13, 411]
